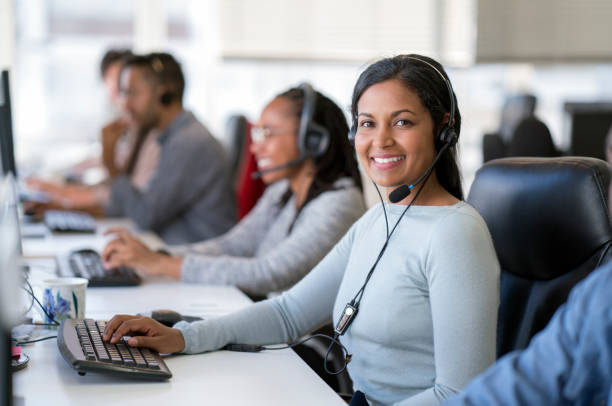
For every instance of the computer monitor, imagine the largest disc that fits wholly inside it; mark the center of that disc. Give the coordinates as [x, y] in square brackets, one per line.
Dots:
[7, 154]
[10, 274]
[589, 126]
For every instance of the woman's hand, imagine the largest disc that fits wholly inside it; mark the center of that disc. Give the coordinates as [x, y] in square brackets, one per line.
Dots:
[127, 250]
[144, 332]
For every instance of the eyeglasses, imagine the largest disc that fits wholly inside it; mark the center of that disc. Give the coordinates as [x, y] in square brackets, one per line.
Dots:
[261, 134]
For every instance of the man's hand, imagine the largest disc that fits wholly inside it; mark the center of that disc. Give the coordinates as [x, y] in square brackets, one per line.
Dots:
[65, 196]
[110, 135]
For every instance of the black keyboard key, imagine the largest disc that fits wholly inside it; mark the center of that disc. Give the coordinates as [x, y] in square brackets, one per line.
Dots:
[88, 264]
[69, 221]
[84, 337]
[124, 352]
[138, 358]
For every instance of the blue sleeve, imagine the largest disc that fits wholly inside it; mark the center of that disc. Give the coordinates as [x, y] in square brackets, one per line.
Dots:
[568, 363]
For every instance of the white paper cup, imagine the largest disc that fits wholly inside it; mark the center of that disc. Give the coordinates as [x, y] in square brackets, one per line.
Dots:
[64, 298]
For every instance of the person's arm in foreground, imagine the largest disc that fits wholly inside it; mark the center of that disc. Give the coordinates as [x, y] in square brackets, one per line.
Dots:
[568, 363]
[282, 319]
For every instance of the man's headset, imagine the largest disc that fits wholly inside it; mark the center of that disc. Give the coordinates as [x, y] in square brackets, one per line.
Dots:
[313, 138]
[158, 67]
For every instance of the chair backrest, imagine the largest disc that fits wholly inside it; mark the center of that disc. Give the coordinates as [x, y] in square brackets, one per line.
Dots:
[532, 138]
[550, 226]
[493, 147]
[516, 107]
[248, 189]
[236, 130]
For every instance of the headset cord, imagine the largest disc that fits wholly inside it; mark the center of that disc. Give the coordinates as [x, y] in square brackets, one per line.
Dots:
[357, 298]
[355, 301]
[31, 292]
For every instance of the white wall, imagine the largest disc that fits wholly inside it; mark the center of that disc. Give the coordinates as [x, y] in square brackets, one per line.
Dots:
[60, 102]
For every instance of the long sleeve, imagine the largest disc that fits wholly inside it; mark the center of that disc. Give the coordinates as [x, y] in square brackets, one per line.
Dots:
[463, 277]
[184, 172]
[285, 258]
[244, 238]
[427, 319]
[285, 318]
[568, 363]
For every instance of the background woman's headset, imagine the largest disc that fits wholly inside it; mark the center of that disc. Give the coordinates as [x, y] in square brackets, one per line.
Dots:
[313, 138]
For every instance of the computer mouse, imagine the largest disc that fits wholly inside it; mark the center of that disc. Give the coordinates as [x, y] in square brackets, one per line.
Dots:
[170, 317]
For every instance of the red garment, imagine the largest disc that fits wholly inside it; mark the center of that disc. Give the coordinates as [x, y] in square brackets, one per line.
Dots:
[248, 190]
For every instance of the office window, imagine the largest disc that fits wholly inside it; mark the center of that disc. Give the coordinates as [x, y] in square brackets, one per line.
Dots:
[544, 31]
[344, 29]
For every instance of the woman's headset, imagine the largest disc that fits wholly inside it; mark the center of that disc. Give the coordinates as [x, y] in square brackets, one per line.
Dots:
[313, 138]
[446, 134]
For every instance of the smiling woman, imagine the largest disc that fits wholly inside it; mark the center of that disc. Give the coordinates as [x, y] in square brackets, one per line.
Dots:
[415, 304]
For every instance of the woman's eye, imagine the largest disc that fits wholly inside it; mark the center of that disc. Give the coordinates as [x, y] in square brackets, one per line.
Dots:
[403, 123]
[366, 124]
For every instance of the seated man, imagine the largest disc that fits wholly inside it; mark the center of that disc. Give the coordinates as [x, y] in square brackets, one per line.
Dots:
[188, 198]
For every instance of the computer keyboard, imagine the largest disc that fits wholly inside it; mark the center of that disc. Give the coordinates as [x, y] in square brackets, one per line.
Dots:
[80, 343]
[61, 221]
[88, 264]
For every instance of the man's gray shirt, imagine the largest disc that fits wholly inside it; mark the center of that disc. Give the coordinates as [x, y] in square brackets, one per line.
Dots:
[189, 198]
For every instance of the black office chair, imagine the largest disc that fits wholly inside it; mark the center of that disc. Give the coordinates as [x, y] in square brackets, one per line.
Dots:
[236, 130]
[550, 226]
[493, 147]
[516, 107]
[313, 353]
[532, 138]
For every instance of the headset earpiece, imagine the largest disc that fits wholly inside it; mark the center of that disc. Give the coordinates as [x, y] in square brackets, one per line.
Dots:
[313, 138]
[351, 134]
[450, 136]
[166, 98]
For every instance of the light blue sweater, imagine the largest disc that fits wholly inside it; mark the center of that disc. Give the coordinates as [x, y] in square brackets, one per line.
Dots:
[427, 321]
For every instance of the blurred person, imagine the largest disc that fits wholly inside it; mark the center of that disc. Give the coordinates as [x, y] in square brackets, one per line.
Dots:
[310, 203]
[188, 196]
[110, 68]
[412, 287]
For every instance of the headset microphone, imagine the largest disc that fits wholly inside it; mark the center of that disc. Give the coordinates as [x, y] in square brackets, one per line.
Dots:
[259, 174]
[403, 191]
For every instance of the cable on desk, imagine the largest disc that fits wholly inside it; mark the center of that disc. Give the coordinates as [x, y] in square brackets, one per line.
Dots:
[334, 340]
[19, 343]
[31, 292]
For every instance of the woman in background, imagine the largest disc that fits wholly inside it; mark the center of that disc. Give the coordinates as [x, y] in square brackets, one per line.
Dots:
[312, 200]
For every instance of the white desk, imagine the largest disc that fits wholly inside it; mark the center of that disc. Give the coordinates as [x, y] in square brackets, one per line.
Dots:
[217, 378]
[53, 244]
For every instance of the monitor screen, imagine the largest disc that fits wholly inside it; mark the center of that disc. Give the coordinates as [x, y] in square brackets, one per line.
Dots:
[7, 154]
[590, 123]
[10, 273]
